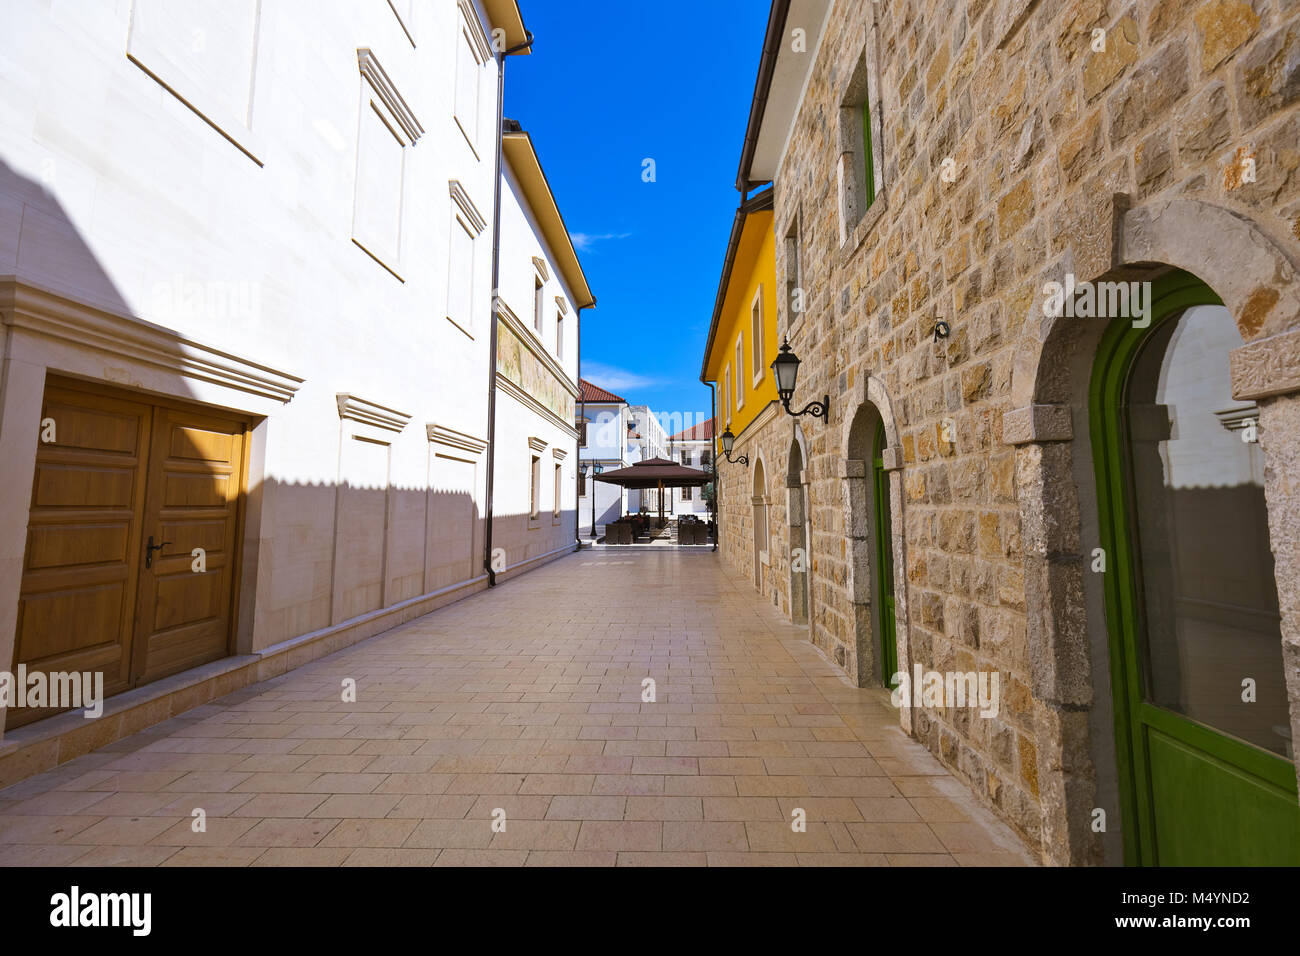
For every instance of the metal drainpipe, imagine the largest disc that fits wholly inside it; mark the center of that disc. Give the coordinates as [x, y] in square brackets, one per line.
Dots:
[713, 456]
[496, 277]
[577, 451]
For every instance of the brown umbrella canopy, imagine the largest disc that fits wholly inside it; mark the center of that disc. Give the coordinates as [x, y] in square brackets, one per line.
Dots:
[656, 473]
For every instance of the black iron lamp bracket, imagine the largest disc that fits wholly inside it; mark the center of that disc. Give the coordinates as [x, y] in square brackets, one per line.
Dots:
[820, 409]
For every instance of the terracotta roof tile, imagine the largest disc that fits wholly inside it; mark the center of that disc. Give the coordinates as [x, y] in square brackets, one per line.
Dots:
[594, 393]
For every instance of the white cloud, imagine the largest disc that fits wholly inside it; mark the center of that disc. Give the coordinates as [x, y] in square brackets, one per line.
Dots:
[583, 241]
[615, 379]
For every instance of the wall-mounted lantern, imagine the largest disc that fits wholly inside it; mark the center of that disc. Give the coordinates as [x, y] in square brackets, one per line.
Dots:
[786, 369]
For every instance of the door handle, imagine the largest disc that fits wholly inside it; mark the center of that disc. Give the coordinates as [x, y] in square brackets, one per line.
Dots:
[150, 548]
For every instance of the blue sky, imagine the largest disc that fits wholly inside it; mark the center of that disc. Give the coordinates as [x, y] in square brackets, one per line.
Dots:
[610, 84]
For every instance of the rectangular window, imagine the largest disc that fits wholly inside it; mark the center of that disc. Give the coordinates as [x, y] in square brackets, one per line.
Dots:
[726, 394]
[460, 275]
[468, 72]
[539, 293]
[794, 295]
[556, 512]
[868, 164]
[559, 336]
[535, 480]
[740, 374]
[856, 172]
[686, 494]
[756, 335]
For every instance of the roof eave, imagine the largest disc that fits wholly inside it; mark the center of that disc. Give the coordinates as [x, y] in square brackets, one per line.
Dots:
[776, 20]
[505, 15]
[763, 201]
[522, 156]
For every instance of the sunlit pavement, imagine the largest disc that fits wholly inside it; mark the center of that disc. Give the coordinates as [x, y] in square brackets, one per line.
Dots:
[510, 729]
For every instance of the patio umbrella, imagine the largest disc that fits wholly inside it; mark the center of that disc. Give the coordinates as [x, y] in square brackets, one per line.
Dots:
[657, 473]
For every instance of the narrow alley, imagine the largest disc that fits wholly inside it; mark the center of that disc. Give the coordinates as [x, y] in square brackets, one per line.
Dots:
[510, 728]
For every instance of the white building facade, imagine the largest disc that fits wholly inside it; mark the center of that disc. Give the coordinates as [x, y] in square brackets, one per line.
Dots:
[604, 421]
[247, 323]
[692, 447]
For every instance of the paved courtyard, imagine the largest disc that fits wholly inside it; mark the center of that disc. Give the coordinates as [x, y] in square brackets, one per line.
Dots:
[523, 706]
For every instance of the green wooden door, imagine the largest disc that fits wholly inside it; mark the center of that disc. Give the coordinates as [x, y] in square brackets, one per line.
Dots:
[885, 621]
[1202, 728]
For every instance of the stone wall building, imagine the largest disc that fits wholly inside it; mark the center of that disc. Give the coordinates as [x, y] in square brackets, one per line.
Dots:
[1008, 482]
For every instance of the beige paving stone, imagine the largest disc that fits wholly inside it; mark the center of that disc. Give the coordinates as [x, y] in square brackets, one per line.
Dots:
[20, 854]
[895, 838]
[743, 808]
[279, 832]
[371, 805]
[304, 856]
[780, 837]
[573, 858]
[281, 805]
[620, 835]
[451, 834]
[391, 856]
[752, 859]
[539, 715]
[588, 807]
[123, 831]
[127, 856]
[698, 835]
[634, 858]
[536, 835]
[664, 808]
[375, 834]
[218, 831]
[470, 857]
[214, 856]
[627, 785]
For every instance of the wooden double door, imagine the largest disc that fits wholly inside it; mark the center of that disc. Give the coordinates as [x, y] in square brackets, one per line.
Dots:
[135, 517]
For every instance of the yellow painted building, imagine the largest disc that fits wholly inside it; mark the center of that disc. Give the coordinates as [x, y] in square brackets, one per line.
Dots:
[743, 334]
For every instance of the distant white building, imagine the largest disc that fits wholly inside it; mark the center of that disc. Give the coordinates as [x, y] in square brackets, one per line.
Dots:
[646, 439]
[603, 429]
[692, 447]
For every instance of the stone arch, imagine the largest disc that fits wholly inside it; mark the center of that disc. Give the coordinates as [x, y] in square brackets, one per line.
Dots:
[798, 518]
[1254, 276]
[869, 404]
[1048, 423]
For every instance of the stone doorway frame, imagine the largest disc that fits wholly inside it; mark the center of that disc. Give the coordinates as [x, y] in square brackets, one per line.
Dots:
[870, 396]
[798, 517]
[1048, 424]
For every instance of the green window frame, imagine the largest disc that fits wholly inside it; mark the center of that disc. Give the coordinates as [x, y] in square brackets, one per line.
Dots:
[868, 164]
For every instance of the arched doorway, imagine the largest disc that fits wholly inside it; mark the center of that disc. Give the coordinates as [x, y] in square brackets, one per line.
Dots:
[759, 504]
[800, 536]
[883, 585]
[871, 542]
[1202, 723]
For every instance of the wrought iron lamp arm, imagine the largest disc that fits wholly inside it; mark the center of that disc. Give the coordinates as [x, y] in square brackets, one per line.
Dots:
[820, 409]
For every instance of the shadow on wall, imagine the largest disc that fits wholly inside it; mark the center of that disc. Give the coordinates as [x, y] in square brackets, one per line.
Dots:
[138, 551]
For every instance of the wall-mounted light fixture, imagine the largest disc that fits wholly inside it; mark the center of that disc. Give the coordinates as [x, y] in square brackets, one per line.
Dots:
[786, 369]
[728, 443]
[941, 330]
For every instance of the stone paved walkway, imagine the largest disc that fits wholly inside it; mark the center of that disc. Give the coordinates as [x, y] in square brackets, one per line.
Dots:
[527, 699]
